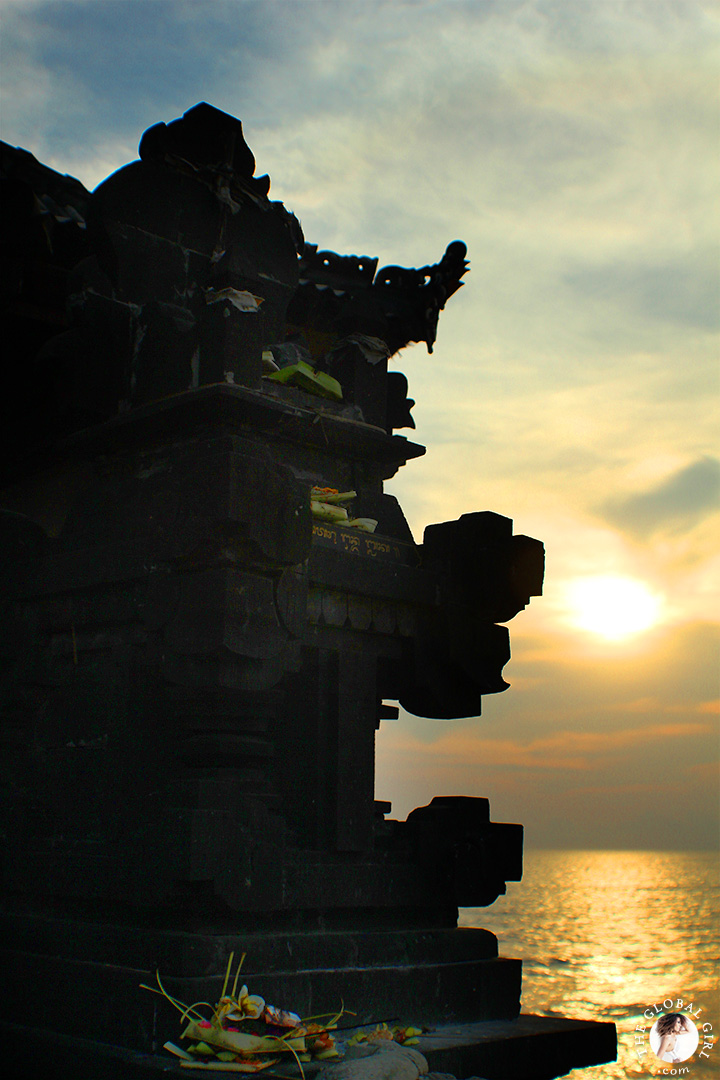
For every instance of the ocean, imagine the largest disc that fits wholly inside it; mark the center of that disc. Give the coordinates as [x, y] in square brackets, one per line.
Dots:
[607, 935]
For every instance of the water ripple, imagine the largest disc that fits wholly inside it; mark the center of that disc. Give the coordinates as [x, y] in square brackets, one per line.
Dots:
[604, 935]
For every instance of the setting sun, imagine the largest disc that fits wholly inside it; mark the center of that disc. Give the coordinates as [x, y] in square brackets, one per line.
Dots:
[612, 606]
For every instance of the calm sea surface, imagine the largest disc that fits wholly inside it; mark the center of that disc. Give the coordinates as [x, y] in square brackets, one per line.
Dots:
[605, 935]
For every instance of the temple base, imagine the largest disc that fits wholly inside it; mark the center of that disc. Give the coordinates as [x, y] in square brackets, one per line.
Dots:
[528, 1048]
[79, 980]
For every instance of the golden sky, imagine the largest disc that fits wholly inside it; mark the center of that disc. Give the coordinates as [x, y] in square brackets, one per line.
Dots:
[574, 383]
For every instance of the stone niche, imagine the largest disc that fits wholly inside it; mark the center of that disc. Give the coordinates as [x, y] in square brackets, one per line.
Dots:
[194, 662]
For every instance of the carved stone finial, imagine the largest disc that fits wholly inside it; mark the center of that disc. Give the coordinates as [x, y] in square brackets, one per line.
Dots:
[342, 294]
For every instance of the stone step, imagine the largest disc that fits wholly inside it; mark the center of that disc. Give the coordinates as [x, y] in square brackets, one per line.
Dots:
[528, 1048]
[193, 952]
[112, 1005]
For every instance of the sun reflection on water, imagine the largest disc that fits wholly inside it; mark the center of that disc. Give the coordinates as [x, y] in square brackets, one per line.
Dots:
[605, 935]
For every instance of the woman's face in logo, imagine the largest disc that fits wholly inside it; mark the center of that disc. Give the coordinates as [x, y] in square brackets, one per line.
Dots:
[668, 1034]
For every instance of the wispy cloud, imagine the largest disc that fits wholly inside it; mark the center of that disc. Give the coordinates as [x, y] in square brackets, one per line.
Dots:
[685, 291]
[633, 735]
[678, 502]
[573, 750]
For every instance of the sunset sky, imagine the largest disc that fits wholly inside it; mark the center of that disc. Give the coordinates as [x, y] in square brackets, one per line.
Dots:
[573, 145]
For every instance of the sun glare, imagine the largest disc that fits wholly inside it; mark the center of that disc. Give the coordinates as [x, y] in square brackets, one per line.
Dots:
[611, 606]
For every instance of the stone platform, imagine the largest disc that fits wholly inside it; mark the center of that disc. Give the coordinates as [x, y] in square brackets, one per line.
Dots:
[528, 1048]
[95, 970]
[73, 1005]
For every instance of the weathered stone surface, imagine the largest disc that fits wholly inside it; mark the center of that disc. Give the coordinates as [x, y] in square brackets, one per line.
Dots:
[383, 1060]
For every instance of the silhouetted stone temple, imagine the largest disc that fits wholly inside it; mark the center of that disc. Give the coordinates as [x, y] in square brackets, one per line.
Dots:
[207, 599]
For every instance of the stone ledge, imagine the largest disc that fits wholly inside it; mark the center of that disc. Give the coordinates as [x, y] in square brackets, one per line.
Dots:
[529, 1048]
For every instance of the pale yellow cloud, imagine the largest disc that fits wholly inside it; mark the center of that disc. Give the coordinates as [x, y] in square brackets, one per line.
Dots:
[575, 750]
[649, 706]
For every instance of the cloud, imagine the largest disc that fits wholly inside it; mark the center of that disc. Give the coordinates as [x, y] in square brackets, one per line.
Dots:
[582, 751]
[636, 731]
[685, 291]
[673, 670]
[643, 787]
[678, 502]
